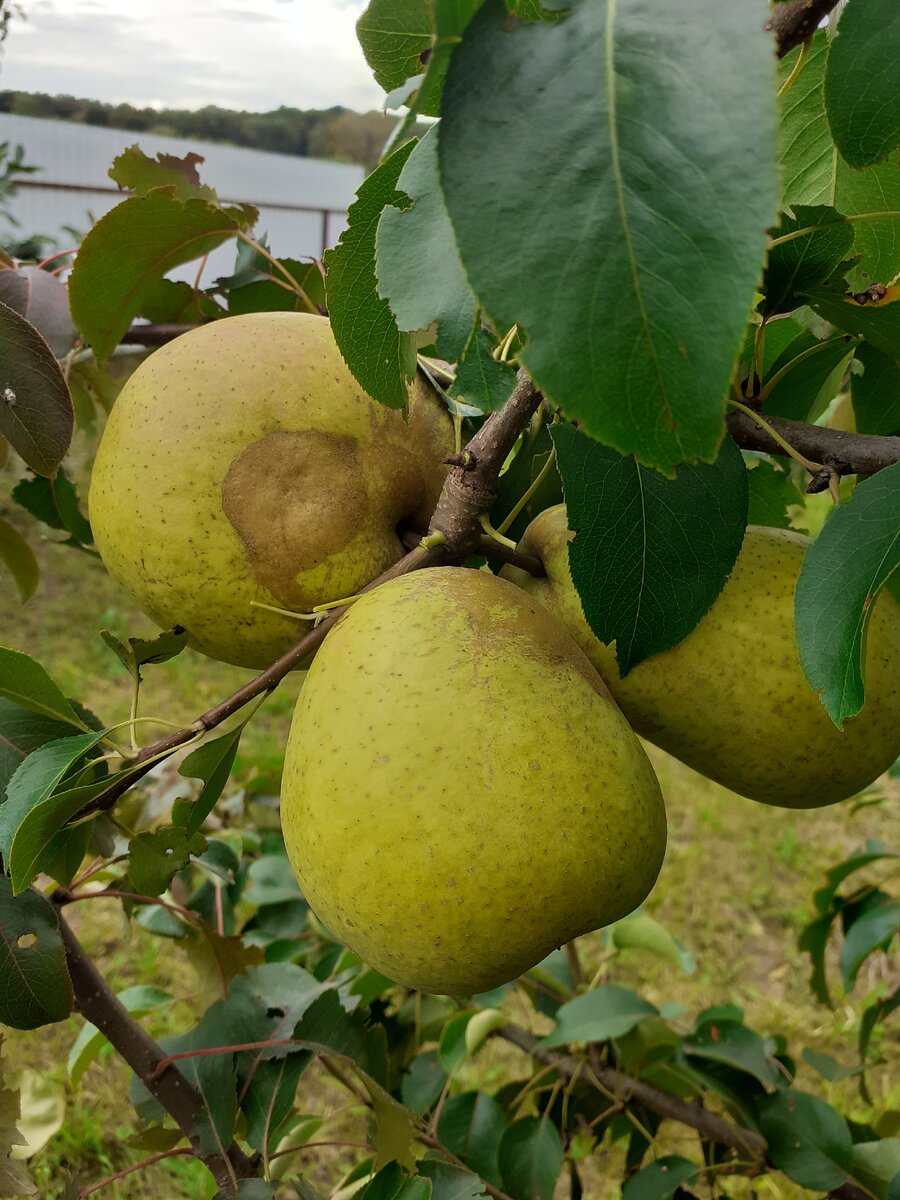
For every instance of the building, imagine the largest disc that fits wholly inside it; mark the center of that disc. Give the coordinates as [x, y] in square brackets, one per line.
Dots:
[302, 202]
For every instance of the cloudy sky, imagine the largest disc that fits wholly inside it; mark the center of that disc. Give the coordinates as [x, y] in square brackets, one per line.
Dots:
[251, 54]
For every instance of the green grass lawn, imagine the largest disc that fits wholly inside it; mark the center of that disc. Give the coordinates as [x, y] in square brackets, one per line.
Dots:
[736, 889]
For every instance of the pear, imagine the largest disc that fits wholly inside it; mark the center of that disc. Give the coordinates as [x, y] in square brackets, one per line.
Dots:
[242, 462]
[731, 700]
[461, 794]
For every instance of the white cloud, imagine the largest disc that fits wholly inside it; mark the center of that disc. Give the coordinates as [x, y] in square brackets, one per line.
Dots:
[186, 53]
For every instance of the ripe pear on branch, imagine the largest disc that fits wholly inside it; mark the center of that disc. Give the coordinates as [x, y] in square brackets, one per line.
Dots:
[243, 463]
[731, 700]
[461, 794]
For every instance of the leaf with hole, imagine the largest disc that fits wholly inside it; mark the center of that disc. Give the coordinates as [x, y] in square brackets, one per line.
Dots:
[36, 413]
[37, 990]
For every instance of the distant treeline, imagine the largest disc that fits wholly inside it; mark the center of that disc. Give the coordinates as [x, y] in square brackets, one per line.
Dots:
[335, 133]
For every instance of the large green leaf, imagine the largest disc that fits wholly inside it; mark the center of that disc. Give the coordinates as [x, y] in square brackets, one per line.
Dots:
[579, 161]
[18, 558]
[380, 357]
[732, 1043]
[471, 1126]
[804, 261]
[843, 570]
[449, 1182]
[877, 323]
[36, 989]
[132, 247]
[393, 1183]
[814, 172]
[421, 233]
[650, 554]
[874, 930]
[531, 1158]
[806, 1139]
[137, 172]
[36, 413]
[606, 1012]
[22, 731]
[862, 82]
[805, 377]
[876, 391]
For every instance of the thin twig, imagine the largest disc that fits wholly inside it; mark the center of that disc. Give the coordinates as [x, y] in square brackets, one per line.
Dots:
[147, 1162]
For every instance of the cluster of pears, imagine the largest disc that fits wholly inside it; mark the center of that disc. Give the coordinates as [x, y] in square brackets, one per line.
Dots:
[462, 792]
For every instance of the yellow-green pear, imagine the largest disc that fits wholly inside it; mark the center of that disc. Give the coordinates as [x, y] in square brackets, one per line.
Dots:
[461, 794]
[242, 462]
[731, 700]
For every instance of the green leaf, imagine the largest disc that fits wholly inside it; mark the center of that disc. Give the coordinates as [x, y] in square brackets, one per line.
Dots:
[471, 1126]
[171, 302]
[248, 1189]
[862, 82]
[878, 323]
[640, 931]
[155, 858]
[271, 880]
[21, 732]
[269, 1099]
[36, 842]
[36, 413]
[874, 930]
[452, 1046]
[449, 1182]
[418, 233]
[842, 573]
[660, 1180]
[481, 380]
[806, 1139]
[535, 448]
[395, 1127]
[772, 493]
[636, 290]
[380, 357]
[36, 779]
[19, 559]
[828, 1067]
[393, 1183]
[734, 1044]
[806, 376]
[55, 502]
[814, 941]
[325, 1025]
[877, 1166]
[531, 1158]
[32, 961]
[814, 172]
[27, 683]
[265, 295]
[132, 247]
[423, 1082]
[211, 762]
[138, 1000]
[876, 391]
[137, 172]
[650, 554]
[403, 38]
[805, 261]
[606, 1012]
[43, 300]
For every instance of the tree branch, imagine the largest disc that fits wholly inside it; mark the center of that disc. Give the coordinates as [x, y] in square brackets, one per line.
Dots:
[454, 534]
[793, 21]
[849, 453]
[693, 1113]
[99, 1005]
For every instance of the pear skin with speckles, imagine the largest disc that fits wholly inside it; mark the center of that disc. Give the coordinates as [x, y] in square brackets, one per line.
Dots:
[461, 794]
[242, 462]
[731, 700]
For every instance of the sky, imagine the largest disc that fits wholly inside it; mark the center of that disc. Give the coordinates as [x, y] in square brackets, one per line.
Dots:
[248, 54]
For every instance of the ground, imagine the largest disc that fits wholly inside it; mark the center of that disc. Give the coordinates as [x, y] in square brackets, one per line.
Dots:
[736, 889]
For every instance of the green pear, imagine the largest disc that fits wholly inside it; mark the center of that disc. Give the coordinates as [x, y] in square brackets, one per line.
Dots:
[242, 462]
[461, 794]
[731, 700]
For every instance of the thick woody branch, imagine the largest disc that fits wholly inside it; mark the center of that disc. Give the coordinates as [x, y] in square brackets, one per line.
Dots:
[99, 1005]
[849, 453]
[746, 1143]
[154, 335]
[793, 21]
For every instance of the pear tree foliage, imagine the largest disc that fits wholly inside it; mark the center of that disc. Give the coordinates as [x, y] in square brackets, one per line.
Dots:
[684, 229]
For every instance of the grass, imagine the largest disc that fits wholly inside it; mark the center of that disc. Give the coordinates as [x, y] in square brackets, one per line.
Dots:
[736, 889]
